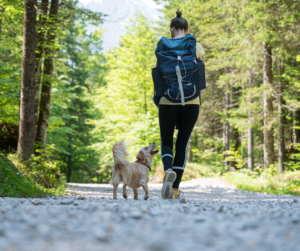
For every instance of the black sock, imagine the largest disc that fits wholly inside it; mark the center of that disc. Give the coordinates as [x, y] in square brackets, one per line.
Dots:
[179, 173]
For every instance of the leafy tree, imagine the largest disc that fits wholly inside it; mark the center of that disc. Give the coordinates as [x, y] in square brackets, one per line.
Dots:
[11, 26]
[125, 101]
[233, 33]
[80, 73]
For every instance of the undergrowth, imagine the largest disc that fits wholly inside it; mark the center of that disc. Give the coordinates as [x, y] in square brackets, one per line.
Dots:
[41, 168]
[191, 171]
[268, 181]
[18, 184]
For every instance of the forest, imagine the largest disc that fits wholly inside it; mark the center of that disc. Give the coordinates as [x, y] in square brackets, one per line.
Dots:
[86, 99]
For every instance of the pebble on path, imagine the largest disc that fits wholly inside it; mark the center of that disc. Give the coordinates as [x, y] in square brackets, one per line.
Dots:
[215, 216]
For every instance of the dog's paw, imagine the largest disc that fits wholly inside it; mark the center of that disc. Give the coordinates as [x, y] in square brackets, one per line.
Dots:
[146, 197]
[125, 196]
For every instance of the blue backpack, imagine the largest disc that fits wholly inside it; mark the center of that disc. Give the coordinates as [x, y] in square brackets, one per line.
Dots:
[179, 75]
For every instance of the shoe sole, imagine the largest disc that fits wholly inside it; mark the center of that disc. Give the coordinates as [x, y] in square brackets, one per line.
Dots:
[167, 189]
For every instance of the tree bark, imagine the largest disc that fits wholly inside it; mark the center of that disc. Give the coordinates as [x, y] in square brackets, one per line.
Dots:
[39, 56]
[297, 115]
[44, 114]
[69, 165]
[1, 16]
[250, 137]
[27, 119]
[226, 134]
[280, 120]
[268, 107]
[295, 131]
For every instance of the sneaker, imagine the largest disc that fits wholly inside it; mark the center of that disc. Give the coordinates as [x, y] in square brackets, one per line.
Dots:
[167, 189]
[176, 194]
[179, 195]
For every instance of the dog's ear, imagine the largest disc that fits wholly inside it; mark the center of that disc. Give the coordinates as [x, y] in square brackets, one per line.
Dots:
[140, 155]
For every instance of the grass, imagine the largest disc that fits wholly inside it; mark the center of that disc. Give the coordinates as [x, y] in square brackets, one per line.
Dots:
[16, 184]
[192, 171]
[244, 179]
[285, 183]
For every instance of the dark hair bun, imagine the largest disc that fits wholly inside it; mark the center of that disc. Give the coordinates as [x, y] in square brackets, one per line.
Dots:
[178, 14]
[179, 23]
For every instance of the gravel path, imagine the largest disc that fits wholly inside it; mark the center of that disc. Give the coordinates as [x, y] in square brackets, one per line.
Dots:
[215, 217]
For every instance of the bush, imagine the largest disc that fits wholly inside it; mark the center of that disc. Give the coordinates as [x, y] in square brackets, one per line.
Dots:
[14, 183]
[269, 181]
[42, 169]
[192, 171]
[294, 161]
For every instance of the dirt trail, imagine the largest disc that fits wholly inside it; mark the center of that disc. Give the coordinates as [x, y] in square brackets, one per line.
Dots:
[215, 217]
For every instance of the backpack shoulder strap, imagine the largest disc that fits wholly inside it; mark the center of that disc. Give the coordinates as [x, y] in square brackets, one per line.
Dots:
[160, 46]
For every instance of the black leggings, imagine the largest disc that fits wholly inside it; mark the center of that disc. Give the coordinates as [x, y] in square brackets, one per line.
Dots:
[185, 117]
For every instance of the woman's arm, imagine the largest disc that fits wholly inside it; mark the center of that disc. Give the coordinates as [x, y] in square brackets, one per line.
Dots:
[200, 52]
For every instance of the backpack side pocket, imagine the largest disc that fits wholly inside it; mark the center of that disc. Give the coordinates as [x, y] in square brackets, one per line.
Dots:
[199, 76]
[159, 83]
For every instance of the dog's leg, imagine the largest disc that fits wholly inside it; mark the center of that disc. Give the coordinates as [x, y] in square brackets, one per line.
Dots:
[124, 191]
[115, 192]
[145, 187]
[136, 194]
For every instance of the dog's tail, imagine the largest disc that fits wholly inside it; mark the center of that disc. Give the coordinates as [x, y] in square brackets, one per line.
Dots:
[119, 155]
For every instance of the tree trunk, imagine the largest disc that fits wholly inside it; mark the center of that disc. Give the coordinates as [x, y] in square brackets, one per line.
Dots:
[297, 114]
[235, 135]
[39, 55]
[2, 9]
[226, 134]
[237, 143]
[69, 165]
[268, 107]
[250, 137]
[27, 119]
[262, 147]
[280, 121]
[46, 86]
[297, 130]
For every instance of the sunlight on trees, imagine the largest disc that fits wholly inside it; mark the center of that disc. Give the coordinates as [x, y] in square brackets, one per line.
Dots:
[249, 114]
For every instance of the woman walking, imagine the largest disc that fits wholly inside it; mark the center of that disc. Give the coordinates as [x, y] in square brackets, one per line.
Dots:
[182, 115]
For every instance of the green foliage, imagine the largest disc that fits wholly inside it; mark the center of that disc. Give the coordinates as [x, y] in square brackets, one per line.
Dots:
[232, 34]
[294, 162]
[235, 156]
[79, 74]
[98, 99]
[125, 101]
[269, 182]
[11, 16]
[195, 171]
[78, 71]
[42, 169]
[192, 171]
[14, 183]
